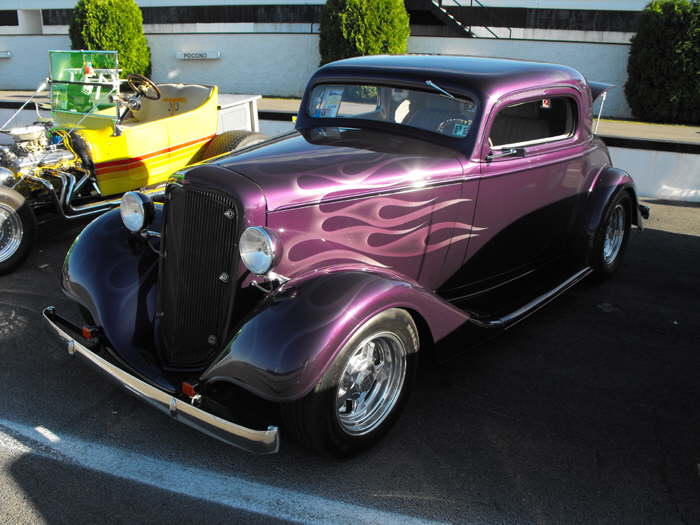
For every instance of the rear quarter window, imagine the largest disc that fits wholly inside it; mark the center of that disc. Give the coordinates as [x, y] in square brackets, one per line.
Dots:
[535, 121]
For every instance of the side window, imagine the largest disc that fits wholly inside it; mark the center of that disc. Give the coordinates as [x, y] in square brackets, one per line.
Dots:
[542, 120]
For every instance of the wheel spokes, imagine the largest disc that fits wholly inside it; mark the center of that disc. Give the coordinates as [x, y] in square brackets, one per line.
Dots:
[371, 383]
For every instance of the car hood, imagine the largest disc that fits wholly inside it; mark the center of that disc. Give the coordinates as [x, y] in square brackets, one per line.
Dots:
[323, 164]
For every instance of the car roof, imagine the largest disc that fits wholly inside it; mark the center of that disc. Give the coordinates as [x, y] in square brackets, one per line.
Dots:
[483, 76]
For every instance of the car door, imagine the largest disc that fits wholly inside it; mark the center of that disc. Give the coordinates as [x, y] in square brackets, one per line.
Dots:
[531, 178]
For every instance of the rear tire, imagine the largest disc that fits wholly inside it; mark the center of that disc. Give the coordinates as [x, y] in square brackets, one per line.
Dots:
[231, 141]
[612, 238]
[17, 229]
[362, 393]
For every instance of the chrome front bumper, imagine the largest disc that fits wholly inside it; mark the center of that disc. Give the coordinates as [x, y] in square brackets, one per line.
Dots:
[257, 441]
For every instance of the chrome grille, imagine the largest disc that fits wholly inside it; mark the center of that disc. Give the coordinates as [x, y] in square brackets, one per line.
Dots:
[197, 273]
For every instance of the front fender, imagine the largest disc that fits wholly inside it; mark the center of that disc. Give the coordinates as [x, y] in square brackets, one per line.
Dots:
[281, 351]
[112, 273]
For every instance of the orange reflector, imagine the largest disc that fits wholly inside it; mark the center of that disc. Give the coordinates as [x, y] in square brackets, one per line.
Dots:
[188, 389]
[88, 332]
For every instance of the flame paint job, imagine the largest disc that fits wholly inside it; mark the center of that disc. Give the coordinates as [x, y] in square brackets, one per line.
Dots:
[374, 216]
[329, 164]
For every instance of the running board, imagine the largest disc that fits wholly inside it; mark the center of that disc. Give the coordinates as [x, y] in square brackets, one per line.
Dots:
[521, 313]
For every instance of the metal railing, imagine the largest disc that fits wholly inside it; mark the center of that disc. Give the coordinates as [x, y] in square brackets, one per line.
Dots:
[472, 3]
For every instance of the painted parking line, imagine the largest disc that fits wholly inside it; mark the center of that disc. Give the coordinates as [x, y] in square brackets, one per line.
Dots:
[234, 492]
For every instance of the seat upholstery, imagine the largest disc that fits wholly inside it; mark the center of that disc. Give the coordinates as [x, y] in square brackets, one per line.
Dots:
[530, 122]
[429, 111]
[174, 99]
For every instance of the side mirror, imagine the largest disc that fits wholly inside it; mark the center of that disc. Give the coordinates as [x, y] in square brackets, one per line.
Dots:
[510, 152]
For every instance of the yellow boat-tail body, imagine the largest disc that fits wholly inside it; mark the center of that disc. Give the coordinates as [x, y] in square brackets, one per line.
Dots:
[162, 137]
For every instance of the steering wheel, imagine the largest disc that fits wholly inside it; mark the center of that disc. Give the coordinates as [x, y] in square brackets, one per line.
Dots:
[454, 127]
[143, 86]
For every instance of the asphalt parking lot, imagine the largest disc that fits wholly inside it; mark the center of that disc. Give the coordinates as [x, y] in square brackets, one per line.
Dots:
[587, 412]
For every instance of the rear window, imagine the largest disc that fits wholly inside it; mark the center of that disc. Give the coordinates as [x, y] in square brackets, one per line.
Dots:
[542, 120]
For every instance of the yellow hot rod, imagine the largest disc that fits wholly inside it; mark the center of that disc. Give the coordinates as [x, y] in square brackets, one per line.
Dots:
[101, 141]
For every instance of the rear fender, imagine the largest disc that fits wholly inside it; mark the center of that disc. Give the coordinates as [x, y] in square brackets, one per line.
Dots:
[607, 185]
[281, 351]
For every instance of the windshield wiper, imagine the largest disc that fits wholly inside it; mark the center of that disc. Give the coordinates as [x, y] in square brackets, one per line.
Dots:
[438, 88]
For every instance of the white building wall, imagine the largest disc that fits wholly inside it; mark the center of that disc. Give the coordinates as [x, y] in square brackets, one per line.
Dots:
[270, 64]
[601, 62]
[28, 65]
[280, 64]
[661, 174]
[530, 33]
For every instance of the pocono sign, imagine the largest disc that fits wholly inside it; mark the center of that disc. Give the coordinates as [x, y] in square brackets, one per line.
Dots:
[198, 55]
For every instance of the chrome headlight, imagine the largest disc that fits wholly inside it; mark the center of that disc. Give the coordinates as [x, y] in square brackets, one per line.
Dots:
[260, 249]
[136, 210]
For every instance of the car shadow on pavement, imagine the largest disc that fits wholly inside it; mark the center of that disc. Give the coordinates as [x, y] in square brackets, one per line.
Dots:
[59, 492]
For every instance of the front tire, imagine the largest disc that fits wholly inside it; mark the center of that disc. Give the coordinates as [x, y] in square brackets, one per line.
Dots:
[612, 238]
[17, 229]
[362, 393]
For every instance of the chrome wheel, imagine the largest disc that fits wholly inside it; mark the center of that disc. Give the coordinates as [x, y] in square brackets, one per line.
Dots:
[614, 234]
[11, 232]
[371, 383]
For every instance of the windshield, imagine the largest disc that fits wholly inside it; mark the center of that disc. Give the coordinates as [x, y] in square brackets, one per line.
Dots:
[83, 82]
[430, 111]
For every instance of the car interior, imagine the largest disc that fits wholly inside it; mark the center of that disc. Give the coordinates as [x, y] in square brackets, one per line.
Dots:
[174, 100]
[533, 121]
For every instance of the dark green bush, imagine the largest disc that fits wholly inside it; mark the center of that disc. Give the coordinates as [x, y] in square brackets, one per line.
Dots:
[664, 64]
[351, 28]
[112, 25]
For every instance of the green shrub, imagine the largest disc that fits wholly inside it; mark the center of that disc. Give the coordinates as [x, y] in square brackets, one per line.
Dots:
[351, 28]
[664, 64]
[112, 25]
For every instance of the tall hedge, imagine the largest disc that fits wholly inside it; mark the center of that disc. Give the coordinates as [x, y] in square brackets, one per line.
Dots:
[112, 25]
[664, 64]
[351, 28]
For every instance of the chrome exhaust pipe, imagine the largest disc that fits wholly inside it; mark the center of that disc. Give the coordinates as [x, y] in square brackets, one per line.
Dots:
[69, 188]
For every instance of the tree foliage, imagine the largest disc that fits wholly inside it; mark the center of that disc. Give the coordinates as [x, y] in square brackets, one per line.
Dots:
[112, 25]
[664, 64]
[351, 28]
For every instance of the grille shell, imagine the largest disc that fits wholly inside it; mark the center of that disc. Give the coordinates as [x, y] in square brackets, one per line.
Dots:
[198, 268]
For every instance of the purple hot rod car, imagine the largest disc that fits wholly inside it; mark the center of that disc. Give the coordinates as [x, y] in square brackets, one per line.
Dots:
[297, 282]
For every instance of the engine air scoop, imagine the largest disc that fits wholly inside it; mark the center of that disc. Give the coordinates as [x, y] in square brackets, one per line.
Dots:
[25, 133]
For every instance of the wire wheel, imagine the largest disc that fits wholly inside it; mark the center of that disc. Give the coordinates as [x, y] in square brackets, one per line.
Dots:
[371, 383]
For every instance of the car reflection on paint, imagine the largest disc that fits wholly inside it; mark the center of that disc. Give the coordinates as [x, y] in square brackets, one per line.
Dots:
[419, 197]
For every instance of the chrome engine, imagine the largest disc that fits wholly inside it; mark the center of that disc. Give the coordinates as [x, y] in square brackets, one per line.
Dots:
[31, 149]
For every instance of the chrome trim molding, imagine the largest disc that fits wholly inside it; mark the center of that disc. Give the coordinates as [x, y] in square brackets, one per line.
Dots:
[521, 313]
[256, 441]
